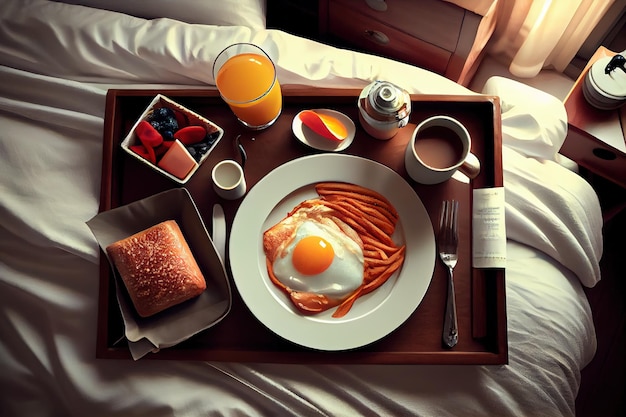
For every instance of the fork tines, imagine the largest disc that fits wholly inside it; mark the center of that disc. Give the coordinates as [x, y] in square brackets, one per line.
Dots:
[448, 218]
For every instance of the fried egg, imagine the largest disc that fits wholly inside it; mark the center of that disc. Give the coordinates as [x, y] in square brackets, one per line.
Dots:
[319, 259]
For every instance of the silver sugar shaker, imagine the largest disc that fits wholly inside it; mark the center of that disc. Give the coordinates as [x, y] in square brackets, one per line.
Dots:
[384, 108]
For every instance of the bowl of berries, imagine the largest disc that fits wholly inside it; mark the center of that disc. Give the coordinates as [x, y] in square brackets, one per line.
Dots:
[172, 139]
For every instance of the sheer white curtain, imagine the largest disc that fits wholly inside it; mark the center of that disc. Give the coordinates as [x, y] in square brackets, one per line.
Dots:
[535, 34]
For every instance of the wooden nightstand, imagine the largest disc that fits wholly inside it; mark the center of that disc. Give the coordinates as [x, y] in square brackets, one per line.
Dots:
[433, 34]
[437, 35]
[596, 141]
[595, 138]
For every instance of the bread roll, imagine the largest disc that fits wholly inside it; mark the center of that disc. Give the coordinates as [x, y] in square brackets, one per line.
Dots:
[157, 267]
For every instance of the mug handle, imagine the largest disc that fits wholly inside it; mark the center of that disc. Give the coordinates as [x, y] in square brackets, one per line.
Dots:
[471, 166]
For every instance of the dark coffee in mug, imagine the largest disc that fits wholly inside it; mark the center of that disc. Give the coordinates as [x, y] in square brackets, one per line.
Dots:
[439, 147]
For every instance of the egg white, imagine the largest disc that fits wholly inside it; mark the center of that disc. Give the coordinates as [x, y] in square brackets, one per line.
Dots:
[340, 279]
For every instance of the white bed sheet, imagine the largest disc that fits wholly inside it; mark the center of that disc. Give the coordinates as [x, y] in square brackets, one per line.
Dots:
[57, 62]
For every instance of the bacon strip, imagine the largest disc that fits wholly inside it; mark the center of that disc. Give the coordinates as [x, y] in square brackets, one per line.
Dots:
[374, 220]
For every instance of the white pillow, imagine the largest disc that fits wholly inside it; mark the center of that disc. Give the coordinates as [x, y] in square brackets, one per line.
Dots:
[250, 13]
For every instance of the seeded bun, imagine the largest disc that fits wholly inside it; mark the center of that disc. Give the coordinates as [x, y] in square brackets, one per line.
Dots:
[157, 267]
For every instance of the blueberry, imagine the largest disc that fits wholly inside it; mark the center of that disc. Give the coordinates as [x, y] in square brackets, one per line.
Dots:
[156, 124]
[166, 126]
[162, 113]
[192, 152]
[202, 147]
[167, 134]
[212, 137]
[169, 124]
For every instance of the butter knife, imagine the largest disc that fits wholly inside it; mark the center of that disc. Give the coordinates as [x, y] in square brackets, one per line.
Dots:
[218, 233]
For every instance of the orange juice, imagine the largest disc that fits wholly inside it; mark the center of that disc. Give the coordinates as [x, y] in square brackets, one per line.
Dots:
[248, 83]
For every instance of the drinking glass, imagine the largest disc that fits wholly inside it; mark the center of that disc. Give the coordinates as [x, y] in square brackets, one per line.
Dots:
[246, 79]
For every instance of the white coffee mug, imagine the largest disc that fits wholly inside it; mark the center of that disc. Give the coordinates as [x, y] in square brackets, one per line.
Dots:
[439, 146]
[229, 181]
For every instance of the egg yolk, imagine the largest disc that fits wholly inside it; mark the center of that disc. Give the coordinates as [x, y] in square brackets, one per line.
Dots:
[312, 255]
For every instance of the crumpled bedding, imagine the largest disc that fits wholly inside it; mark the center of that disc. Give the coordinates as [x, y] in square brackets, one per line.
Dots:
[57, 62]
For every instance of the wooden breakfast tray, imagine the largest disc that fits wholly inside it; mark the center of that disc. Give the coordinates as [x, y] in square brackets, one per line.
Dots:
[480, 293]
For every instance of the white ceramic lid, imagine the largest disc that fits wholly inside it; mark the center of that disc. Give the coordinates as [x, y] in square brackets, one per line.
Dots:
[613, 85]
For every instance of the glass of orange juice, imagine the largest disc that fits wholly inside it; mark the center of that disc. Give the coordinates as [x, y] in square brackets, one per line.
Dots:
[246, 79]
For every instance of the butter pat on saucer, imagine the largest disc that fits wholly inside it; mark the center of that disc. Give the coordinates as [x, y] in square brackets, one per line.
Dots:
[177, 160]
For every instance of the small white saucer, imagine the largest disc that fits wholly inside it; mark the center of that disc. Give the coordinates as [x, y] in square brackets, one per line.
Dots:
[316, 141]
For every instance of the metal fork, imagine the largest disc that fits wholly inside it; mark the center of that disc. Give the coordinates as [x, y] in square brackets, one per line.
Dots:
[448, 241]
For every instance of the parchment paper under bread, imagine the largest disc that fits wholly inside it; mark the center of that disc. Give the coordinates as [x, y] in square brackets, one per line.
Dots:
[180, 322]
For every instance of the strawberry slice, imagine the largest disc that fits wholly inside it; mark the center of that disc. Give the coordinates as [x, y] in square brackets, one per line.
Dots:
[190, 135]
[162, 148]
[148, 135]
[145, 152]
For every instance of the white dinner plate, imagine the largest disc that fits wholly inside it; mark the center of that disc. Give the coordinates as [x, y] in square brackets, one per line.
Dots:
[307, 136]
[372, 316]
